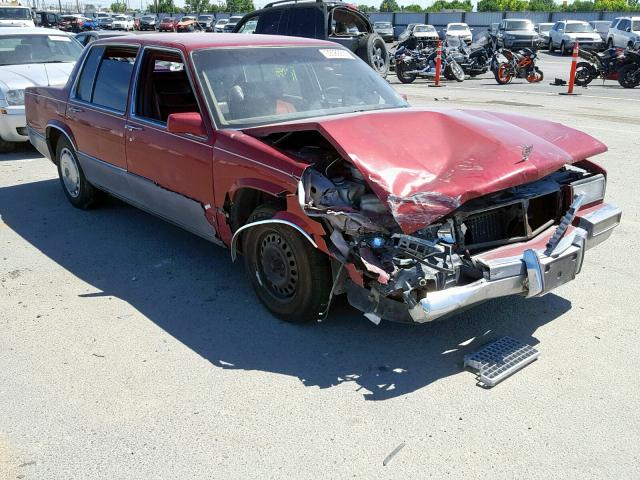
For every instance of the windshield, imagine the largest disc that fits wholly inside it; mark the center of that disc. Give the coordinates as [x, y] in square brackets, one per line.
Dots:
[579, 28]
[458, 27]
[424, 28]
[205, 17]
[24, 49]
[382, 25]
[519, 25]
[249, 87]
[120, 18]
[545, 28]
[146, 19]
[15, 14]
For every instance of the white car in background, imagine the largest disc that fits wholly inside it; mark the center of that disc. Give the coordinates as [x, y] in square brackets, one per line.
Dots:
[219, 26]
[460, 30]
[565, 33]
[624, 32]
[425, 33]
[15, 16]
[122, 22]
[29, 57]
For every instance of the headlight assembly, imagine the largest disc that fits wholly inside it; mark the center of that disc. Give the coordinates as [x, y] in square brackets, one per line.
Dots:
[593, 188]
[15, 97]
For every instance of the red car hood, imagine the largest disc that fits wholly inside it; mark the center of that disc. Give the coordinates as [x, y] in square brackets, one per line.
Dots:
[426, 163]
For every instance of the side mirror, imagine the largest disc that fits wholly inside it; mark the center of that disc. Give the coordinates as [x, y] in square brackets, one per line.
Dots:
[190, 122]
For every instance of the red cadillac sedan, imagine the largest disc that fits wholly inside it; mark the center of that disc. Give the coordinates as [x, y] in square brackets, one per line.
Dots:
[295, 154]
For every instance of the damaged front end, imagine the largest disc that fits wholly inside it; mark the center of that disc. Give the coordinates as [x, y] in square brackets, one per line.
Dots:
[423, 256]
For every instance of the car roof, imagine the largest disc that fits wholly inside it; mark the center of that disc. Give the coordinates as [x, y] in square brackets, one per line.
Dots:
[196, 41]
[31, 31]
[458, 23]
[575, 21]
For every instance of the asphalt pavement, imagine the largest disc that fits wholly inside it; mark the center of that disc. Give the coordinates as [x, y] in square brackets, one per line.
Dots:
[132, 349]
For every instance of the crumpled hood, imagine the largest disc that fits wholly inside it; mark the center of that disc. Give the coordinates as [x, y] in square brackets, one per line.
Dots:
[35, 74]
[425, 163]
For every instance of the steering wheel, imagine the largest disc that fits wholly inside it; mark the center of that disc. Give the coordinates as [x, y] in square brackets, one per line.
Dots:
[334, 96]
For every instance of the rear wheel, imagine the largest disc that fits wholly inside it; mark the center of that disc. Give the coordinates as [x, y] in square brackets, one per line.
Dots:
[374, 52]
[563, 50]
[551, 48]
[629, 76]
[402, 73]
[503, 74]
[80, 193]
[291, 278]
[585, 73]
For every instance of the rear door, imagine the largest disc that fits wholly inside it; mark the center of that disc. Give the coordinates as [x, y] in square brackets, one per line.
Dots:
[96, 113]
[170, 174]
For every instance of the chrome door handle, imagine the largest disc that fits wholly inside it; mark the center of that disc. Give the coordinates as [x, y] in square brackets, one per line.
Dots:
[133, 128]
[76, 109]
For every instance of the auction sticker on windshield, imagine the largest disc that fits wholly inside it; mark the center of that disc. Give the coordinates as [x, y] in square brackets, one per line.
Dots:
[59, 38]
[335, 53]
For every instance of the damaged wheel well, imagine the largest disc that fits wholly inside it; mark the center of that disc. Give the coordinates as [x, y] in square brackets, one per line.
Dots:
[53, 135]
[245, 201]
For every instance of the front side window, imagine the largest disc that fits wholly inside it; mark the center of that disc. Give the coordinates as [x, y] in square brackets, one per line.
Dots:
[105, 77]
[163, 87]
[248, 87]
[271, 22]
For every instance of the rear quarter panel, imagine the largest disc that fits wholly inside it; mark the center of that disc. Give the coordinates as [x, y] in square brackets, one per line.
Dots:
[44, 105]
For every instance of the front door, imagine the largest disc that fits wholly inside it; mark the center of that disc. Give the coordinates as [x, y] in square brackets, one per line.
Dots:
[96, 114]
[170, 174]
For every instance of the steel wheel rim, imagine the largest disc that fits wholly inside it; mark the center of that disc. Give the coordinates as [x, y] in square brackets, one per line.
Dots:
[278, 266]
[69, 172]
[378, 58]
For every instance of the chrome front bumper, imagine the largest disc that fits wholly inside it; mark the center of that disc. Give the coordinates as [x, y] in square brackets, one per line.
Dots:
[532, 274]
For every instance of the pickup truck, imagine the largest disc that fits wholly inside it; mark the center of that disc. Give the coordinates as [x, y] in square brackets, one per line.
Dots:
[303, 160]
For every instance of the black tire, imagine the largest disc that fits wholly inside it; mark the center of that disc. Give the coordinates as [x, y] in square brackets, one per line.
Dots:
[85, 195]
[585, 73]
[456, 71]
[629, 76]
[563, 52]
[7, 147]
[374, 52]
[551, 47]
[290, 277]
[448, 74]
[401, 69]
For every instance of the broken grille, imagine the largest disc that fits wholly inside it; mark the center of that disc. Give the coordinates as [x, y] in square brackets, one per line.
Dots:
[516, 221]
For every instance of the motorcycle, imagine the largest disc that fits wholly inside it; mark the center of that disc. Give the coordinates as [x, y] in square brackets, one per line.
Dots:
[474, 60]
[629, 74]
[521, 64]
[411, 64]
[603, 65]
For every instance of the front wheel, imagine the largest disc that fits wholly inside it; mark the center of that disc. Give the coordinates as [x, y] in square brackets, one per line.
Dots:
[291, 277]
[629, 76]
[536, 76]
[402, 73]
[503, 74]
[585, 73]
[80, 193]
[457, 72]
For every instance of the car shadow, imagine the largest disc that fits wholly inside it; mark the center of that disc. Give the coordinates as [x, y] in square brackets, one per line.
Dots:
[22, 151]
[191, 289]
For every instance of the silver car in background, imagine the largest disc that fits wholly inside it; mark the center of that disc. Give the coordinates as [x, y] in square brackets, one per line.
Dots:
[624, 32]
[565, 33]
[602, 27]
[29, 57]
[543, 30]
[385, 30]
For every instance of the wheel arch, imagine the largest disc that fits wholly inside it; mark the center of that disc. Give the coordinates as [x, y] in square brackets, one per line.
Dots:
[53, 133]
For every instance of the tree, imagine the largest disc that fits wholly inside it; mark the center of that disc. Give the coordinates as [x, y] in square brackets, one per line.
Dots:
[118, 7]
[440, 5]
[240, 6]
[367, 8]
[197, 6]
[611, 5]
[488, 6]
[542, 6]
[413, 8]
[389, 6]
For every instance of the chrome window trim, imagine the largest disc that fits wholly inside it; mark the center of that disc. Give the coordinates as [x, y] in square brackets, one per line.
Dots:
[134, 91]
[100, 108]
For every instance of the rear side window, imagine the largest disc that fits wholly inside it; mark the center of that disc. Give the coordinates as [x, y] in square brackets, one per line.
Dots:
[306, 22]
[273, 22]
[88, 74]
[108, 73]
